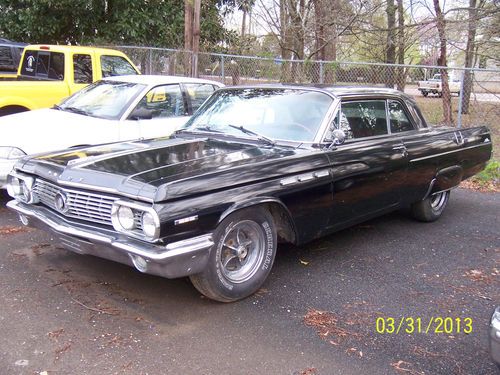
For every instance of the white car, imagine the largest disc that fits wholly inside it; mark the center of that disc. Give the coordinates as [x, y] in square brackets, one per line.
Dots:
[113, 109]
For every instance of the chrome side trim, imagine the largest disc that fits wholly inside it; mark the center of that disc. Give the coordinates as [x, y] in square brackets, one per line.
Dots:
[445, 153]
[152, 252]
[305, 177]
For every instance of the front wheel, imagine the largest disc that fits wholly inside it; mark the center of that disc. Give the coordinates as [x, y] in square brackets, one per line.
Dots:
[431, 208]
[241, 258]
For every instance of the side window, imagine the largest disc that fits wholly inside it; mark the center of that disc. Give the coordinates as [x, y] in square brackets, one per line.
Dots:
[82, 68]
[163, 101]
[398, 119]
[42, 64]
[115, 66]
[56, 66]
[359, 119]
[198, 93]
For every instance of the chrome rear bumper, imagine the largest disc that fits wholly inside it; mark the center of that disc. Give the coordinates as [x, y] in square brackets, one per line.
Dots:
[176, 259]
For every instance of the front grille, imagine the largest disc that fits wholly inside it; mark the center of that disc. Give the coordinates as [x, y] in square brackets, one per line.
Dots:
[81, 205]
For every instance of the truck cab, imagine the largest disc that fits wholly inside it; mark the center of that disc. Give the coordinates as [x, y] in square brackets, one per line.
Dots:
[49, 73]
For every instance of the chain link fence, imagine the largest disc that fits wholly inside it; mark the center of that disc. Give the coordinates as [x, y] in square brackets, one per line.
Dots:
[475, 93]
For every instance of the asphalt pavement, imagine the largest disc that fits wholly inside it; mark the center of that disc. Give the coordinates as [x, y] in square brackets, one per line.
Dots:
[317, 314]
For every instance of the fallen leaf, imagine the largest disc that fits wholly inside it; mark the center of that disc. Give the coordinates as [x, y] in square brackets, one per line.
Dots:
[304, 262]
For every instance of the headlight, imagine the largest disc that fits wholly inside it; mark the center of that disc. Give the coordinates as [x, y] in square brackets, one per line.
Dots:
[14, 187]
[136, 220]
[126, 217]
[7, 152]
[20, 187]
[148, 224]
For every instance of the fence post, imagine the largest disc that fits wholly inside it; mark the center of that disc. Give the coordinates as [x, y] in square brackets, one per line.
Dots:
[460, 98]
[150, 61]
[321, 73]
[222, 72]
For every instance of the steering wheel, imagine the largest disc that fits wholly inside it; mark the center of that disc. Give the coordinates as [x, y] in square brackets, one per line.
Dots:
[302, 127]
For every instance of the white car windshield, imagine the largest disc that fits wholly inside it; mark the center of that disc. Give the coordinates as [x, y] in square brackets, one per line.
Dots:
[104, 99]
[273, 113]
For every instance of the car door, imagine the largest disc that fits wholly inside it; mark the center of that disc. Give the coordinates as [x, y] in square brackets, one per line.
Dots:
[369, 167]
[161, 111]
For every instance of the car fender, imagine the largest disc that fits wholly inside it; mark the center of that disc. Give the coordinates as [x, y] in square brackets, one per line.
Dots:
[283, 219]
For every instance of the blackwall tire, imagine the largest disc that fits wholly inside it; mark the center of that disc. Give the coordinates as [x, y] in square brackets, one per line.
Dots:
[431, 208]
[241, 258]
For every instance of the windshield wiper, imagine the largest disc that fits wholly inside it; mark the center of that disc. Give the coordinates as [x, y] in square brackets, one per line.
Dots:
[251, 132]
[206, 128]
[55, 106]
[75, 110]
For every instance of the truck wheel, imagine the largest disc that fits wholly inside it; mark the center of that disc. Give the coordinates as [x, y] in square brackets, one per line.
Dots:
[10, 110]
[431, 208]
[241, 257]
[425, 93]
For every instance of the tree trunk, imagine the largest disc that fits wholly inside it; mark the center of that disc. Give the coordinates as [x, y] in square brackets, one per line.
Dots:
[391, 42]
[188, 35]
[469, 56]
[196, 36]
[400, 81]
[285, 41]
[441, 24]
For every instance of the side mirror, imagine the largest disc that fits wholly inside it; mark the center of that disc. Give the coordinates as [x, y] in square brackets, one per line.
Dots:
[141, 114]
[338, 137]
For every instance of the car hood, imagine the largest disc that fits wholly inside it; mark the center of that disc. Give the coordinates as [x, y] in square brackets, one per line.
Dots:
[48, 129]
[169, 168]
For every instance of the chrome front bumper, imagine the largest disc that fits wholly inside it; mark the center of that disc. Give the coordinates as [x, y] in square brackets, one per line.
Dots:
[177, 259]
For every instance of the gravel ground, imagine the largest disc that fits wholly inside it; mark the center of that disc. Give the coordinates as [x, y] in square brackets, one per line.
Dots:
[63, 313]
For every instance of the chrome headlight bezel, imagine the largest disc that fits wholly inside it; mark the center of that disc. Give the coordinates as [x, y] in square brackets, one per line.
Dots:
[138, 211]
[20, 187]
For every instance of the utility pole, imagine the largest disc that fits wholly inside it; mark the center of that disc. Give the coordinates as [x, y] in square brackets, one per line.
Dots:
[192, 35]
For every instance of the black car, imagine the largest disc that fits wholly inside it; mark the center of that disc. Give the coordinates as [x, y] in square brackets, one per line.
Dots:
[10, 54]
[253, 167]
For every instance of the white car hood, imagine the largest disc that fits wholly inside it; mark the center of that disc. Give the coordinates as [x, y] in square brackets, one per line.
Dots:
[50, 129]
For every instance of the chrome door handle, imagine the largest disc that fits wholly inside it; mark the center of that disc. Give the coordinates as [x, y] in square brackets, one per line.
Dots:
[401, 148]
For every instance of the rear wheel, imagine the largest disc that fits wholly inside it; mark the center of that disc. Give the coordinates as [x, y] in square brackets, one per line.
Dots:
[431, 208]
[10, 110]
[241, 258]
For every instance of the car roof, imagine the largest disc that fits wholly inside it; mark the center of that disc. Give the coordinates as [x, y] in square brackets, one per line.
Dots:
[339, 91]
[153, 80]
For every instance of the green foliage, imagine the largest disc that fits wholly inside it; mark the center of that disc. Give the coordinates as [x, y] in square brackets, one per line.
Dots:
[137, 22]
[491, 173]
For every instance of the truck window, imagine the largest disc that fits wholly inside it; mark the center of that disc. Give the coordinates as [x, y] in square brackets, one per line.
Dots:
[82, 68]
[115, 66]
[42, 64]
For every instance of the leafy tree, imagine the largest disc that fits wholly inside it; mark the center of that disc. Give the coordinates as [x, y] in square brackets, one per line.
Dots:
[138, 22]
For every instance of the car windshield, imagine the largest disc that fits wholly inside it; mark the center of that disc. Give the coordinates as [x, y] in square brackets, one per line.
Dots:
[104, 99]
[268, 113]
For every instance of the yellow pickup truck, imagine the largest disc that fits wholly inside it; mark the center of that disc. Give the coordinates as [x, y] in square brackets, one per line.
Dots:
[49, 73]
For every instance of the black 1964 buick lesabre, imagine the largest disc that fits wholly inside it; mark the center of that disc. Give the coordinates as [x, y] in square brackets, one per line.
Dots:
[254, 166]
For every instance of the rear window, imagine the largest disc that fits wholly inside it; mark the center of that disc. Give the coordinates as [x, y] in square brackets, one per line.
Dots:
[115, 66]
[43, 64]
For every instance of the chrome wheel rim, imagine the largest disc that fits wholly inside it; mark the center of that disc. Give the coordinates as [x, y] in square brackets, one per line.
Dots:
[242, 251]
[438, 200]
